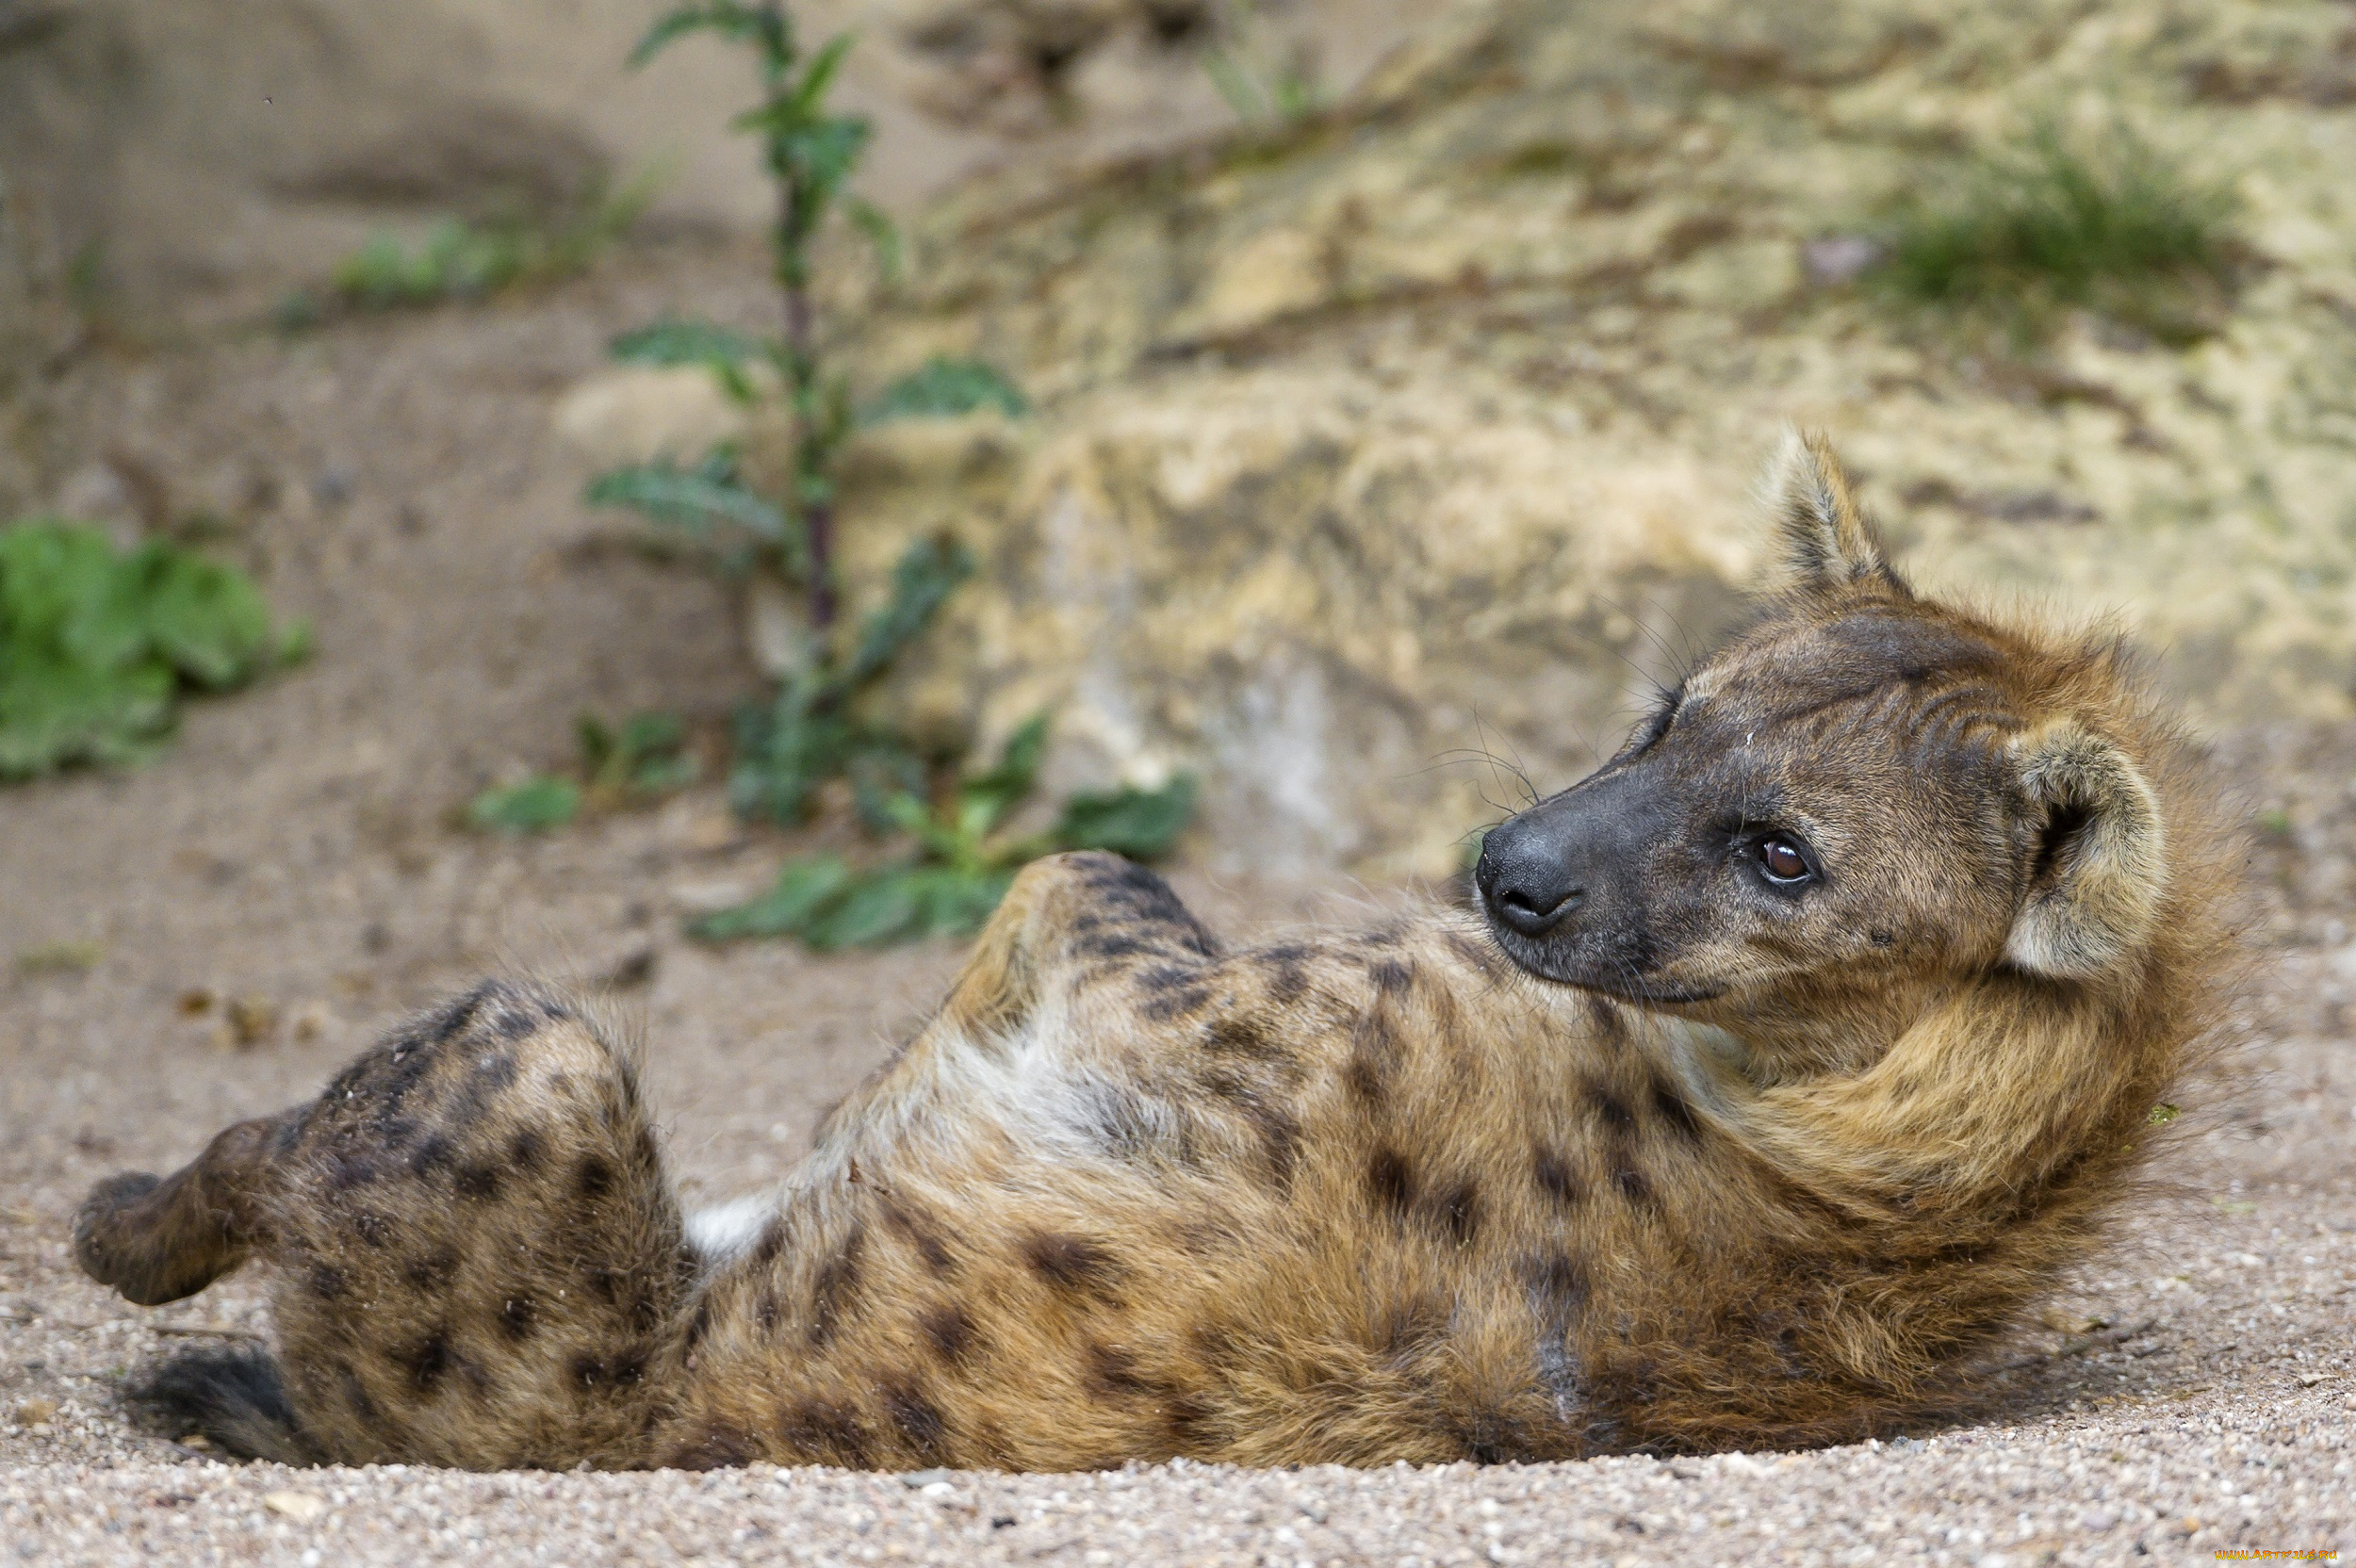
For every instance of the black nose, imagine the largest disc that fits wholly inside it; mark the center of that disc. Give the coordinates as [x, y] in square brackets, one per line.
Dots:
[1528, 890]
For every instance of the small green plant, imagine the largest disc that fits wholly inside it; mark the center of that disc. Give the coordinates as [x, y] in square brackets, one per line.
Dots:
[460, 260]
[2056, 222]
[962, 858]
[98, 644]
[820, 724]
[643, 757]
[535, 804]
[1263, 81]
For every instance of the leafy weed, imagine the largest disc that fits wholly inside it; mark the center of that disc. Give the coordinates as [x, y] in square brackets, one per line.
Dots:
[98, 644]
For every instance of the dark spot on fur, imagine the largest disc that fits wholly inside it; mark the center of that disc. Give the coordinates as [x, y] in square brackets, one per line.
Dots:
[455, 1015]
[1552, 1173]
[772, 1242]
[1474, 955]
[1611, 1109]
[356, 1394]
[348, 1170]
[430, 1156]
[1279, 1139]
[835, 1291]
[518, 1317]
[523, 1150]
[495, 1072]
[604, 1284]
[480, 1182]
[1374, 1055]
[373, 1230]
[1633, 1186]
[1070, 1263]
[516, 1023]
[429, 1361]
[827, 1429]
[327, 1281]
[593, 1179]
[922, 1231]
[1391, 1179]
[1459, 1210]
[949, 1330]
[1187, 1417]
[1112, 945]
[433, 1272]
[1113, 1373]
[1241, 1035]
[916, 1418]
[698, 1323]
[1557, 1287]
[1391, 977]
[1287, 974]
[716, 1446]
[765, 1311]
[1670, 1106]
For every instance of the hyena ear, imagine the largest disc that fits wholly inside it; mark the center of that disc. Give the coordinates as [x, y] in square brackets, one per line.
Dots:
[2102, 858]
[1829, 546]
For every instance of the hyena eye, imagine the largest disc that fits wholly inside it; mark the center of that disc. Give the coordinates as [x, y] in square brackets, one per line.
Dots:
[1781, 860]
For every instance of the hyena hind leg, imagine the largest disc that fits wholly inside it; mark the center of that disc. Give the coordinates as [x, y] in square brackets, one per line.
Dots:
[477, 1258]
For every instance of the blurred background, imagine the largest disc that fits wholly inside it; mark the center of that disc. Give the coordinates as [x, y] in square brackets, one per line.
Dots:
[494, 485]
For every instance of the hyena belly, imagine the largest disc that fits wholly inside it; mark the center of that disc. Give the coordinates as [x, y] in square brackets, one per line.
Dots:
[1182, 1201]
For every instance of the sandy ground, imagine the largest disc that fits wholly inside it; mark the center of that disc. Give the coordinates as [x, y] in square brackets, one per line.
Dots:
[2192, 1393]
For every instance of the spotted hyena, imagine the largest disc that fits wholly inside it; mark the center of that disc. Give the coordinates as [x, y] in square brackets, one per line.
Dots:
[1780, 1062]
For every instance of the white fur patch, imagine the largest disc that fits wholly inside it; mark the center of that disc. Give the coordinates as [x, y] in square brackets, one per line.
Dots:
[722, 1232]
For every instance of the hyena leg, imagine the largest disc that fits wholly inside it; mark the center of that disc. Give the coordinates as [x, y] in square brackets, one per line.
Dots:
[479, 1260]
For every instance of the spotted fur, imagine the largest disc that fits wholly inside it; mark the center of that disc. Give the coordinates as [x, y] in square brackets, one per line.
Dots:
[1426, 1192]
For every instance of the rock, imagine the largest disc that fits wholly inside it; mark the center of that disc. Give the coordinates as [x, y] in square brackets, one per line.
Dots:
[1427, 430]
[641, 413]
[301, 1506]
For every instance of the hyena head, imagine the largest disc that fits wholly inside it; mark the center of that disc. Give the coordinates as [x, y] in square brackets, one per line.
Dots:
[1862, 801]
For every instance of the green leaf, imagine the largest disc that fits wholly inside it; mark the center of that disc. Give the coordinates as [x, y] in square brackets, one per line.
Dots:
[535, 805]
[95, 644]
[988, 797]
[2163, 1113]
[767, 29]
[208, 621]
[811, 93]
[684, 343]
[924, 575]
[944, 388]
[881, 907]
[695, 499]
[1141, 824]
[804, 889]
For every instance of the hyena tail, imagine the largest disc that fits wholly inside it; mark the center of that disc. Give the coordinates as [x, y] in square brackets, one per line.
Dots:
[234, 1399]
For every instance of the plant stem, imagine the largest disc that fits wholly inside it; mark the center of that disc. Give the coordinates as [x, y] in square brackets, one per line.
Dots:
[794, 210]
